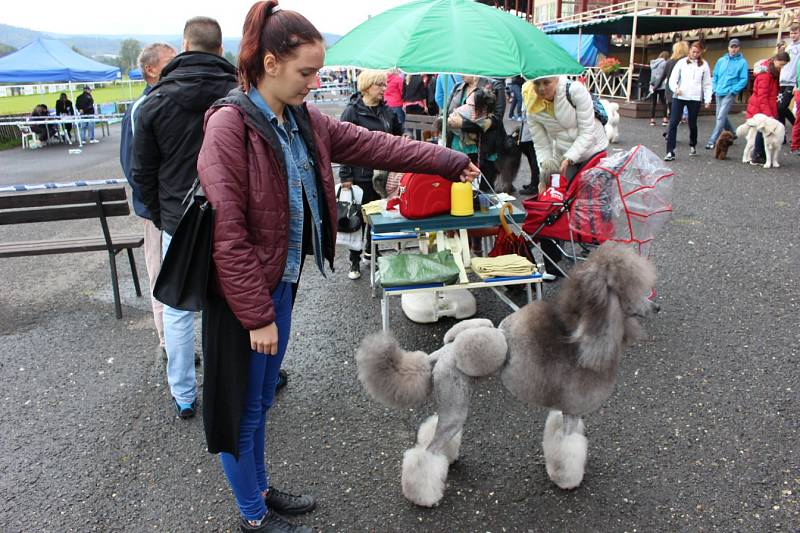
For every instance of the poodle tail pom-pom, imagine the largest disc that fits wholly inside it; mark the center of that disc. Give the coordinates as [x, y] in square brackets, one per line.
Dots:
[392, 376]
[424, 476]
[564, 455]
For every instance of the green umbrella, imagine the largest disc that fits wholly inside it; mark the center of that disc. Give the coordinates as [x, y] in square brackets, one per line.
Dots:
[454, 36]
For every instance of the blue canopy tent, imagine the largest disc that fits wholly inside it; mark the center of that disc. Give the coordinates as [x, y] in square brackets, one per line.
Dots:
[590, 46]
[135, 74]
[48, 60]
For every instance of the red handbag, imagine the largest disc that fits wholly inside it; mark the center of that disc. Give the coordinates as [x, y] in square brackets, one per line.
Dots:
[424, 195]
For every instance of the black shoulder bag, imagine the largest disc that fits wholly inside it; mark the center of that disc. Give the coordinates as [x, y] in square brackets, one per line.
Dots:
[348, 214]
[183, 281]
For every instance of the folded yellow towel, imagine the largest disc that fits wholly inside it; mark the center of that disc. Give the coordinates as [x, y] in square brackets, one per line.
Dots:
[376, 206]
[501, 266]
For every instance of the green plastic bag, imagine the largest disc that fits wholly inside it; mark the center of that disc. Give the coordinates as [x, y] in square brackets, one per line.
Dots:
[418, 269]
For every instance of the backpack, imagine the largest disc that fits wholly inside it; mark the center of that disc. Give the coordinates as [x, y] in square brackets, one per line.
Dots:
[599, 111]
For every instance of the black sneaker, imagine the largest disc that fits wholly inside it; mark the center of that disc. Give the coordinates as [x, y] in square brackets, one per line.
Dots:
[283, 379]
[529, 190]
[185, 413]
[670, 156]
[272, 523]
[756, 161]
[692, 151]
[285, 503]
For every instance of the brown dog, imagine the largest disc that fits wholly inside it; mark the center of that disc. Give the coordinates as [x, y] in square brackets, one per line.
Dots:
[724, 142]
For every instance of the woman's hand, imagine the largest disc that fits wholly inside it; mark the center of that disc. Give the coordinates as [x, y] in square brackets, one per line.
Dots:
[678, 92]
[564, 166]
[455, 121]
[265, 340]
[542, 187]
[470, 172]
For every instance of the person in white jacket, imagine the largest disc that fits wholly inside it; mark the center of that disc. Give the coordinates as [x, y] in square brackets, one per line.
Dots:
[690, 83]
[566, 133]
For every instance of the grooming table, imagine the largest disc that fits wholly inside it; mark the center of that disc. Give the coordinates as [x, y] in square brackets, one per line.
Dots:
[397, 229]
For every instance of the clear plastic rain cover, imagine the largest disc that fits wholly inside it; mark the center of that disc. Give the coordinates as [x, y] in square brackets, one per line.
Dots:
[628, 193]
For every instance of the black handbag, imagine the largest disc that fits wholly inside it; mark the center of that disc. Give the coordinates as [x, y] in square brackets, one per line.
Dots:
[183, 281]
[348, 214]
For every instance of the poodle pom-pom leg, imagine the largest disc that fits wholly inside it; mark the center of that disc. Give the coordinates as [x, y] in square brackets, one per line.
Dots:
[428, 430]
[565, 449]
[424, 476]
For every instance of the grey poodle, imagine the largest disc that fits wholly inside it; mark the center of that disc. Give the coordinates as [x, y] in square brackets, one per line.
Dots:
[562, 355]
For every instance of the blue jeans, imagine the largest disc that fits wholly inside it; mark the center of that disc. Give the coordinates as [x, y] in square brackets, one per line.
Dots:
[87, 127]
[724, 104]
[515, 108]
[179, 343]
[400, 114]
[248, 476]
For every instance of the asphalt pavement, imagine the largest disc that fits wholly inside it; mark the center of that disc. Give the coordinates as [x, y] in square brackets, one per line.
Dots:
[701, 433]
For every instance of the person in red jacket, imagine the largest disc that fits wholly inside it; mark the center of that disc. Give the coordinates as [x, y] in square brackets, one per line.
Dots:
[265, 166]
[764, 99]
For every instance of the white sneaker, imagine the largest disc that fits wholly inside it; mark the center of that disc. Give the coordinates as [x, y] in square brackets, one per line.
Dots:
[94, 141]
[355, 272]
[548, 277]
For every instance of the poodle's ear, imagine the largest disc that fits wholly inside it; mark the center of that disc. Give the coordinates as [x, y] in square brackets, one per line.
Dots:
[600, 327]
[453, 332]
[611, 285]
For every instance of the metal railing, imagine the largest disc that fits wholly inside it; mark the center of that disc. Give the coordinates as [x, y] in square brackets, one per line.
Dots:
[613, 85]
[676, 7]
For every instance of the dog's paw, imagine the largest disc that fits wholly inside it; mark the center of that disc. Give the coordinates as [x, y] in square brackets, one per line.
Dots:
[564, 455]
[424, 476]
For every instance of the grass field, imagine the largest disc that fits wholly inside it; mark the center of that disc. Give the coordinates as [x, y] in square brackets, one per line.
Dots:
[26, 103]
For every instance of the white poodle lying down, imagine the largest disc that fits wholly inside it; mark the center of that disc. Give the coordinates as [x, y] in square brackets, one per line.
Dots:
[561, 355]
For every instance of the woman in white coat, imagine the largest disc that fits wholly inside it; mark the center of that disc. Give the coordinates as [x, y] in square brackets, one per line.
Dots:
[690, 83]
[566, 134]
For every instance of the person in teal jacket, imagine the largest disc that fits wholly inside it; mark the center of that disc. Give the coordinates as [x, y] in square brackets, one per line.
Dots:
[729, 79]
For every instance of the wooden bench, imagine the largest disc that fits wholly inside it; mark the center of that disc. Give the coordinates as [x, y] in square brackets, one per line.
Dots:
[72, 204]
[423, 126]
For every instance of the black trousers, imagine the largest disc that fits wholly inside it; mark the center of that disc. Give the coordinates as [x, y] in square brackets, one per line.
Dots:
[530, 154]
[654, 99]
[369, 195]
[785, 96]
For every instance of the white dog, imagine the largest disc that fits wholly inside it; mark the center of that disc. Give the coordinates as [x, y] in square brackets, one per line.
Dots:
[773, 132]
[612, 126]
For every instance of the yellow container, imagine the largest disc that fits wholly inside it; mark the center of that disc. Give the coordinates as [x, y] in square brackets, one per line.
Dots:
[461, 200]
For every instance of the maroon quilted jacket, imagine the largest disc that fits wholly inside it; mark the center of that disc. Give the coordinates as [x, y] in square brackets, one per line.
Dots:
[242, 170]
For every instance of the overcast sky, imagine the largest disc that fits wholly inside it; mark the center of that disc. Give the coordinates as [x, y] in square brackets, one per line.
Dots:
[166, 17]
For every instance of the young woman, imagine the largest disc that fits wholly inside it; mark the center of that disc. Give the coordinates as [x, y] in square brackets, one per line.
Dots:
[658, 83]
[679, 51]
[690, 83]
[484, 151]
[368, 110]
[265, 166]
[764, 99]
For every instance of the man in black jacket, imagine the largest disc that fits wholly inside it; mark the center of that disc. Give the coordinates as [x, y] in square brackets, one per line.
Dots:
[85, 104]
[168, 133]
